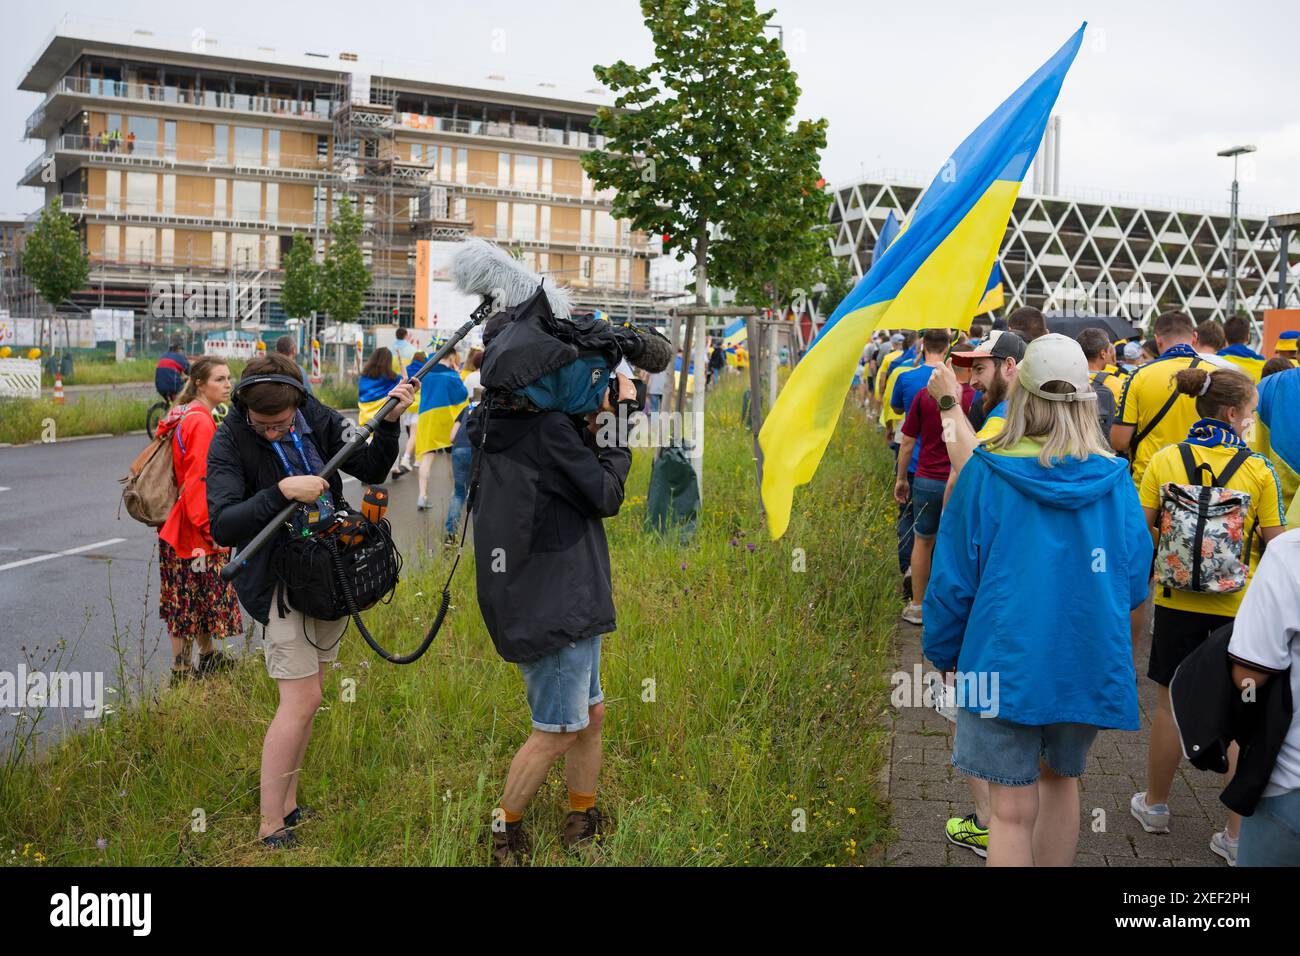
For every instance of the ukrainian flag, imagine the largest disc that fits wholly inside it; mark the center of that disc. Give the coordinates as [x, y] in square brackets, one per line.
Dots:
[442, 396]
[888, 233]
[993, 296]
[371, 395]
[734, 334]
[1277, 428]
[933, 275]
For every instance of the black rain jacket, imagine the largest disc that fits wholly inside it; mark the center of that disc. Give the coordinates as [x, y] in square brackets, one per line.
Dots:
[541, 558]
[243, 487]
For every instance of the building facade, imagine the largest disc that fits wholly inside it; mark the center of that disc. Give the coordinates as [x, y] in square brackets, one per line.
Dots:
[1096, 255]
[185, 156]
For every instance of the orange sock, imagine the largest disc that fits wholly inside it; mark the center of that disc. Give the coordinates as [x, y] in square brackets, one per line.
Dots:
[511, 817]
[581, 801]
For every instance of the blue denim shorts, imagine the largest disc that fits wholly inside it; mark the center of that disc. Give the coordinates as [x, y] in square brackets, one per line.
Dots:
[1271, 835]
[562, 685]
[927, 503]
[996, 750]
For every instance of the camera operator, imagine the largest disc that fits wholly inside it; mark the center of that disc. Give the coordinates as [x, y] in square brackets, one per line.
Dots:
[546, 595]
[267, 453]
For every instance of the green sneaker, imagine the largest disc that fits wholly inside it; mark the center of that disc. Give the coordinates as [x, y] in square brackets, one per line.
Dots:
[964, 831]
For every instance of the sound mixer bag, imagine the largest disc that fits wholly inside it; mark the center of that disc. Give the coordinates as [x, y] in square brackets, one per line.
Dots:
[344, 569]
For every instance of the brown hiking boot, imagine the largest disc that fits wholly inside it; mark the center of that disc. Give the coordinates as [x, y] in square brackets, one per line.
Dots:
[584, 827]
[511, 846]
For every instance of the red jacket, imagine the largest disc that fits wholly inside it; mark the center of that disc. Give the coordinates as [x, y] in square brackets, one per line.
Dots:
[187, 528]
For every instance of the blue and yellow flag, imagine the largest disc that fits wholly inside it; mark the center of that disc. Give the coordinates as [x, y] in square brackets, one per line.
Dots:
[442, 396]
[888, 233]
[735, 333]
[1277, 428]
[933, 275]
[993, 296]
[371, 395]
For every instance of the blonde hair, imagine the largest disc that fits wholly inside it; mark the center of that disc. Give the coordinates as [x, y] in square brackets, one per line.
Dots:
[1066, 429]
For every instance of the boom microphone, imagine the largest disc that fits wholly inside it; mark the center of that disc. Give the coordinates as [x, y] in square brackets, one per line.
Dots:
[482, 269]
[644, 348]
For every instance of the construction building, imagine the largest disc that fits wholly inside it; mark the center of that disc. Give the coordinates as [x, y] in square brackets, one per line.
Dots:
[188, 156]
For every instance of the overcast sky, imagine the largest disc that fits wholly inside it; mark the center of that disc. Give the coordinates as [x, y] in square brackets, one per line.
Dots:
[1158, 89]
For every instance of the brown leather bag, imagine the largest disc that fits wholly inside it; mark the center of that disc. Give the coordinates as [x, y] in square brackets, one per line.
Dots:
[150, 490]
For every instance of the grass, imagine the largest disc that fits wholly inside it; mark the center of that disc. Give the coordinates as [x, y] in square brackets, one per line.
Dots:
[24, 420]
[100, 368]
[743, 697]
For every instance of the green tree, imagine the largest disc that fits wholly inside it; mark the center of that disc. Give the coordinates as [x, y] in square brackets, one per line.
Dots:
[700, 143]
[53, 256]
[344, 276]
[301, 293]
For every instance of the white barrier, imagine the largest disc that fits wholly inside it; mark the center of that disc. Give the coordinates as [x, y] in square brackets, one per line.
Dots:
[20, 378]
[230, 348]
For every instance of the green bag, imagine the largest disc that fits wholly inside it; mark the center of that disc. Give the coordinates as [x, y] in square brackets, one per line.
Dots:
[673, 500]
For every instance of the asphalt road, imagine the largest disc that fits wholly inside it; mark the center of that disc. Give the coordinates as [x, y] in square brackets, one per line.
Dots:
[72, 570]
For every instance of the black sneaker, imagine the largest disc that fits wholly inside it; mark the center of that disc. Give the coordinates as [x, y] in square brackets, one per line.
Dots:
[281, 839]
[181, 676]
[297, 815]
[211, 663]
[511, 846]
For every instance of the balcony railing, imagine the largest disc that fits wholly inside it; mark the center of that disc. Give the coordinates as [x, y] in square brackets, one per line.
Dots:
[184, 153]
[185, 212]
[519, 131]
[616, 242]
[174, 95]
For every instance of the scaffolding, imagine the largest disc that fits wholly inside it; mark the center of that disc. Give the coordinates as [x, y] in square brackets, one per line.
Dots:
[400, 199]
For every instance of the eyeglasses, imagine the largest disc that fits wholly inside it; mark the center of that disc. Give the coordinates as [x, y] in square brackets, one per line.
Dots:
[280, 428]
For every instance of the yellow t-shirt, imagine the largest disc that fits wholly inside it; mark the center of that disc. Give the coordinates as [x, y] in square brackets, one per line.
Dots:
[1255, 477]
[887, 414]
[1145, 393]
[882, 371]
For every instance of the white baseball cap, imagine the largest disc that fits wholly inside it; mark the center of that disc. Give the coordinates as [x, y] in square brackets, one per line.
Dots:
[1056, 358]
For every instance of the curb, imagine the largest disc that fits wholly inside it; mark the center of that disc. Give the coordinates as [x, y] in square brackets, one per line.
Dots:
[62, 441]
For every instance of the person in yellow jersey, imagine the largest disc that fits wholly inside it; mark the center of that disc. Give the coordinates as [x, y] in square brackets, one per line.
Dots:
[889, 418]
[1237, 332]
[894, 350]
[1102, 374]
[1199, 583]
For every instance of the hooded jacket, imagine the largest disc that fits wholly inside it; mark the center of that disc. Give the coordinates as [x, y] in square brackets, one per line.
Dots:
[244, 494]
[542, 562]
[1035, 570]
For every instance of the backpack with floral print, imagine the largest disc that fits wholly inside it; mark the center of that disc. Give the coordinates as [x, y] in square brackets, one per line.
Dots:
[1203, 546]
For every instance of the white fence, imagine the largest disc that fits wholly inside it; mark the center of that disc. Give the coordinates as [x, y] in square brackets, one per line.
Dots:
[20, 378]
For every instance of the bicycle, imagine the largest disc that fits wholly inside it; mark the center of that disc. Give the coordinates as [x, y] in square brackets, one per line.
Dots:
[154, 414]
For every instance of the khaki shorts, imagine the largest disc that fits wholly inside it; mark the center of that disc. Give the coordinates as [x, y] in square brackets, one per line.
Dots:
[298, 646]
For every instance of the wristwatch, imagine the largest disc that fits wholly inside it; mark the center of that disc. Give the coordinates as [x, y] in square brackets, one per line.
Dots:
[946, 402]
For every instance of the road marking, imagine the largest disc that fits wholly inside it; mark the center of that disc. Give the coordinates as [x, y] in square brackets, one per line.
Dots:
[61, 554]
[3, 488]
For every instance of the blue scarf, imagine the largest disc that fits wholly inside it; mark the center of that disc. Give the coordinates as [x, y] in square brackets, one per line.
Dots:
[1241, 351]
[1211, 433]
[1185, 351]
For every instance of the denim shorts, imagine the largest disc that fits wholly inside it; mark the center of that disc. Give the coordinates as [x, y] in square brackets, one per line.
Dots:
[999, 751]
[562, 685]
[1271, 835]
[927, 503]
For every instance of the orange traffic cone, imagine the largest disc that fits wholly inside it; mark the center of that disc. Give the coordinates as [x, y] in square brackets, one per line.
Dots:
[58, 389]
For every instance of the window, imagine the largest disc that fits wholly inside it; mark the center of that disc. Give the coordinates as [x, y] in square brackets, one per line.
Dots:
[446, 167]
[503, 169]
[272, 202]
[543, 262]
[246, 198]
[603, 232]
[525, 221]
[113, 191]
[271, 259]
[218, 250]
[248, 146]
[546, 175]
[526, 172]
[168, 246]
[111, 250]
[169, 139]
[604, 271]
[503, 220]
[139, 244]
[142, 193]
[545, 232]
[244, 250]
[169, 195]
[219, 208]
[462, 165]
[145, 130]
[273, 147]
[221, 143]
[113, 122]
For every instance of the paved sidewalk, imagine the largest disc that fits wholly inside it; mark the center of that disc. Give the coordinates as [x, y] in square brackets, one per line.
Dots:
[925, 789]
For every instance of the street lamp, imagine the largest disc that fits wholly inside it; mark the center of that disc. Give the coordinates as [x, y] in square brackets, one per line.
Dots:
[1234, 152]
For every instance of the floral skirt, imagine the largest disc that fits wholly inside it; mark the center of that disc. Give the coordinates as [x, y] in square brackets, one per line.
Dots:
[192, 599]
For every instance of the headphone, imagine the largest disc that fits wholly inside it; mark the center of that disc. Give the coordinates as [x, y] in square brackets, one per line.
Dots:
[267, 379]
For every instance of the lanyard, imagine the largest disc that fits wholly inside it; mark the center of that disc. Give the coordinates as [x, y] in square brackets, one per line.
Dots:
[284, 460]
